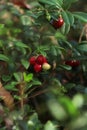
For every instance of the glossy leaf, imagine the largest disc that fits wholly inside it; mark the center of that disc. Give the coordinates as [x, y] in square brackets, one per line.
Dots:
[81, 16]
[4, 57]
[56, 109]
[6, 78]
[66, 67]
[67, 4]
[18, 76]
[78, 100]
[20, 44]
[49, 126]
[25, 63]
[23, 125]
[66, 22]
[71, 17]
[28, 77]
[32, 84]
[82, 47]
[11, 86]
[50, 2]
[69, 106]
[25, 20]
[1, 26]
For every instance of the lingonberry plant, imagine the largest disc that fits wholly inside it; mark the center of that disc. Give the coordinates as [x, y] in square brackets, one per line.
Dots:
[43, 65]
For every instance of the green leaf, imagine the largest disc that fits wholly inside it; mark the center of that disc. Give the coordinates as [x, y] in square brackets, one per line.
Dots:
[53, 51]
[25, 63]
[6, 78]
[11, 86]
[26, 20]
[80, 15]
[59, 35]
[18, 76]
[60, 2]
[68, 44]
[71, 17]
[1, 26]
[17, 97]
[49, 126]
[22, 124]
[4, 57]
[35, 15]
[33, 83]
[28, 77]
[62, 29]
[82, 57]
[78, 100]
[67, 4]
[66, 67]
[66, 26]
[56, 109]
[82, 47]
[65, 17]
[34, 123]
[69, 106]
[51, 3]
[36, 82]
[20, 44]
[43, 48]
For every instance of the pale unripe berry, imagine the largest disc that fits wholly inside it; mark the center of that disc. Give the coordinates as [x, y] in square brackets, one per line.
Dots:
[46, 66]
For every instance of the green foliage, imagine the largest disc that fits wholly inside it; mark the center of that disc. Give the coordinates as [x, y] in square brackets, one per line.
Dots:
[4, 58]
[82, 47]
[54, 99]
[80, 15]
[49, 125]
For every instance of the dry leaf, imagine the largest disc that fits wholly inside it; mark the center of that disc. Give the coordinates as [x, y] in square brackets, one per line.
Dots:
[21, 3]
[6, 97]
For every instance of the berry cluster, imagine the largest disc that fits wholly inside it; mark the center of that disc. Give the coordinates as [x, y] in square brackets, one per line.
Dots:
[73, 63]
[39, 63]
[57, 23]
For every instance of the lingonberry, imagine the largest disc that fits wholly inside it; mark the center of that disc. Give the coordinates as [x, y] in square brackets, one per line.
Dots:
[73, 63]
[41, 59]
[46, 66]
[32, 60]
[57, 23]
[37, 68]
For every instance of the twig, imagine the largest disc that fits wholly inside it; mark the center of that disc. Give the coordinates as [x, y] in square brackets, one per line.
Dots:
[80, 38]
[86, 31]
[38, 93]
[83, 30]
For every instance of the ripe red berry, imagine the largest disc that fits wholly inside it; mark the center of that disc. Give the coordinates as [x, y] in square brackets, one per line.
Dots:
[37, 67]
[57, 23]
[32, 60]
[41, 59]
[73, 63]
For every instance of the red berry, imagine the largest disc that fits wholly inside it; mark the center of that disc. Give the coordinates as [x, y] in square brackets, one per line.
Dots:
[76, 63]
[32, 60]
[37, 67]
[57, 23]
[73, 63]
[41, 59]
